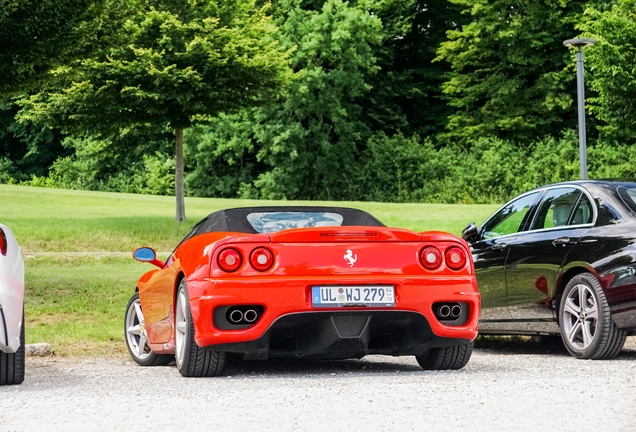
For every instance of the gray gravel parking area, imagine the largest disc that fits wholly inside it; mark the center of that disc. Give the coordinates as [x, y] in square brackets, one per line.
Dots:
[507, 385]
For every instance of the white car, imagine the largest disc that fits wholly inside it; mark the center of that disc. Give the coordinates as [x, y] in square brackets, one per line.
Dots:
[11, 309]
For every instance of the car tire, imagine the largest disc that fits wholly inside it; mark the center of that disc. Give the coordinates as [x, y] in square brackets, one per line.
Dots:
[193, 361]
[12, 364]
[449, 357]
[136, 338]
[587, 328]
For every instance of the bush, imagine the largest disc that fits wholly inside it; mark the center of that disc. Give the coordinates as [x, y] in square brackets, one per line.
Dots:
[100, 165]
[222, 162]
[220, 158]
[7, 170]
[400, 169]
[155, 176]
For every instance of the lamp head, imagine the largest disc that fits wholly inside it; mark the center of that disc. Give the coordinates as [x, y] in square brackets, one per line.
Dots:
[578, 43]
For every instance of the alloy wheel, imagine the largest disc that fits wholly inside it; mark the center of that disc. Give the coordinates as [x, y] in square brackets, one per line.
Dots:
[136, 331]
[181, 326]
[580, 316]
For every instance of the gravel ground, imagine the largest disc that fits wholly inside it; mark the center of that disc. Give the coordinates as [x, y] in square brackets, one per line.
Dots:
[506, 386]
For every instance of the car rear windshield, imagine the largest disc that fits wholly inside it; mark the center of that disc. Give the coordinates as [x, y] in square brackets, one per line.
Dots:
[267, 222]
[628, 194]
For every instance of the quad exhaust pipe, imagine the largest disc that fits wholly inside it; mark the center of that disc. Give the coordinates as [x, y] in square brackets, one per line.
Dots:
[443, 311]
[242, 315]
[249, 316]
[456, 311]
[236, 316]
[447, 311]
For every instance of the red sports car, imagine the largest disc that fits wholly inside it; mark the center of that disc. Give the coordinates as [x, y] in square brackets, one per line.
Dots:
[304, 282]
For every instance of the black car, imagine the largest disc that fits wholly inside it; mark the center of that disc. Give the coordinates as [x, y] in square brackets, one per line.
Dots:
[561, 259]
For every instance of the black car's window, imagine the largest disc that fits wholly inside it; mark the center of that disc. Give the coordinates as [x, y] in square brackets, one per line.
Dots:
[555, 208]
[583, 214]
[510, 218]
[628, 194]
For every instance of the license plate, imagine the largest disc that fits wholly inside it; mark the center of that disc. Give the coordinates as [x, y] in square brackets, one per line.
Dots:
[353, 296]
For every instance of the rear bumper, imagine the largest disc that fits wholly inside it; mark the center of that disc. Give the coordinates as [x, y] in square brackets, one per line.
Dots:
[622, 303]
[290, 326]
[624, 315]
[340, 335]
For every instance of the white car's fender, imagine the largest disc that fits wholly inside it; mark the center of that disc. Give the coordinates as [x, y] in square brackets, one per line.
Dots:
[11, 294]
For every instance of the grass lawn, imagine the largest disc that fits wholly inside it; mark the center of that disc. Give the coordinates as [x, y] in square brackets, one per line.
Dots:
[76, 302]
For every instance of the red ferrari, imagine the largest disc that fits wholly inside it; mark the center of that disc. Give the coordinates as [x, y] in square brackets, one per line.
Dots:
[304, 282]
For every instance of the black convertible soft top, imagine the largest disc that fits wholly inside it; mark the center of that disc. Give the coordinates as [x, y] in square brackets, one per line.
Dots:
[274, 218]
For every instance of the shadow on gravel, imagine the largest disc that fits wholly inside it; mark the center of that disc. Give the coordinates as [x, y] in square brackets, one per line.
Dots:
[506, 345]
[510, 345]
[279, 367]
[493, 345]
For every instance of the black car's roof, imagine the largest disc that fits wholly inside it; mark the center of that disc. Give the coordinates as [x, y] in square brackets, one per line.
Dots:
[603, 183]
[235, 219]
[618, 182]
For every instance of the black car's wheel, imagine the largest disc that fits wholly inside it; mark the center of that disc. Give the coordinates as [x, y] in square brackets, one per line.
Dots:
[12, 365]
[587, 328]
[450, 357]
[193, 361]
[136, 338]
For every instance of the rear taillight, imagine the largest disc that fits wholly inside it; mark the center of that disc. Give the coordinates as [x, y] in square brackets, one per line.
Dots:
[229, 260]
[455, 258]
[261, 259]
[430, 257]
[3, 242]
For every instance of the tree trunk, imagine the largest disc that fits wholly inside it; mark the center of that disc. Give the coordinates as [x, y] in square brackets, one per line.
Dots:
[178, 175]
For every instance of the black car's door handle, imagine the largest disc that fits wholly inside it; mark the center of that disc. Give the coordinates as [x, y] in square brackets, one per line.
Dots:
[561, 241]
[500, 246]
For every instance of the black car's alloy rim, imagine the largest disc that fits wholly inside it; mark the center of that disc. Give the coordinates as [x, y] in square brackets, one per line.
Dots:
[580, 316]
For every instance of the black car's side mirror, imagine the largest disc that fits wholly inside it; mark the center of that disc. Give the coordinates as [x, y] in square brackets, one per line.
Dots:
[470, 233]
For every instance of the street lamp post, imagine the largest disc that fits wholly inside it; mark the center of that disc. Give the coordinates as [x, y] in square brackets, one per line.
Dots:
[580, 43]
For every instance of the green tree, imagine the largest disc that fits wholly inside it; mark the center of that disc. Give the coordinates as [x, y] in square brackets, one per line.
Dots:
[508, 76]
[363, 67]
[184, 62]
[400, 169]
[29, 149]
[138, 160]
[611, 63]
[221, 157]
[407, 90]
[37, 35]
[311, 141]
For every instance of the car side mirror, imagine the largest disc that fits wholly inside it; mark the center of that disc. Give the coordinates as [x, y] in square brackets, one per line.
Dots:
[146, 254]
[470, 233]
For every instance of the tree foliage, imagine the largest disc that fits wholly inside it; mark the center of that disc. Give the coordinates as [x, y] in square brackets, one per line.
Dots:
[317, 127]
[27, 150]
[612, 63]
[508, 76]
[407, 88]
[385, 100]
[185, 61]
[37, 35]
